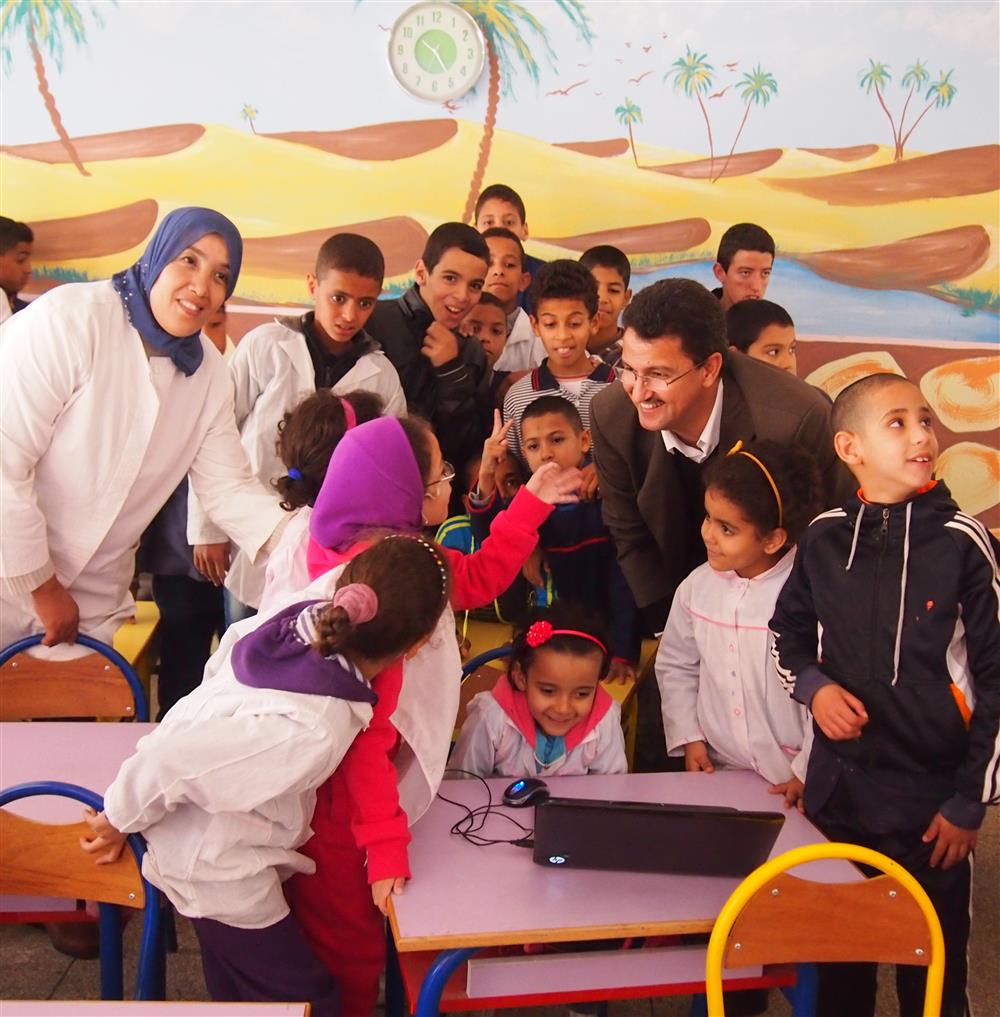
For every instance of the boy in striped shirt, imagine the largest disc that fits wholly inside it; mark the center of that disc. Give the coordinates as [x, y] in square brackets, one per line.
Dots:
[563, 301]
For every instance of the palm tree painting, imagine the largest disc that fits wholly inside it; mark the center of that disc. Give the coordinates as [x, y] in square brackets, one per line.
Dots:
[504, 26]
[44, 23]
[756, 88]
[874, 78]
[249, 114]
[692, 74]
[941, 93]
[629, 114]
[915, 78]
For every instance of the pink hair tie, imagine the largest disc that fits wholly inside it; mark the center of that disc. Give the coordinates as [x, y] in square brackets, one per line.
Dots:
[350, 416]
[359, 601]
[542, 631]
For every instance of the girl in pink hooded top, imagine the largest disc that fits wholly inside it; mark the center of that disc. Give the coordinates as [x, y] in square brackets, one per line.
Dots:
[389, 473]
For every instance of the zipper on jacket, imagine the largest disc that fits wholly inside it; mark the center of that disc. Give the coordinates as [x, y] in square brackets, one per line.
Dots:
[884, 542]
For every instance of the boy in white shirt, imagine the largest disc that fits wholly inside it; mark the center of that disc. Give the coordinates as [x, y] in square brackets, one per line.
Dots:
[278, 364]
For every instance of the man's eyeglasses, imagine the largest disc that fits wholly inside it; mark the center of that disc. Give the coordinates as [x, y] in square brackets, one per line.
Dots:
[654, 380]
[447, 474]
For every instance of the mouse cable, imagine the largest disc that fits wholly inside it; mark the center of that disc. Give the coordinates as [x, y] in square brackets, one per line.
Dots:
[474, 820]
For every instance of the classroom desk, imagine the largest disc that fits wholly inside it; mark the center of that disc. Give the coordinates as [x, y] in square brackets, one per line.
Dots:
[464, 898]
[84, 753]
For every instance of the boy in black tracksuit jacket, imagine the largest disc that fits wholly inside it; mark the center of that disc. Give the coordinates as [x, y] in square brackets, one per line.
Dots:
[577, 545]
[905, 693]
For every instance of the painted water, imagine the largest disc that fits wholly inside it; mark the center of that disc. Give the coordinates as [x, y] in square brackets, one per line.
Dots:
[821, 307]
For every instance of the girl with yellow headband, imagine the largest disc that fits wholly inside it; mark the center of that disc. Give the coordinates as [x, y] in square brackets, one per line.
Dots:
[723, 705]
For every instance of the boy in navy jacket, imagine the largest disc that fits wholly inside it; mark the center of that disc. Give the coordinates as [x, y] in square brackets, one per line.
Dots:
[577, 545]
[905, 692]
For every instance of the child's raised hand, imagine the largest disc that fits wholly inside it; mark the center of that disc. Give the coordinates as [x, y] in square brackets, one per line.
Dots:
[620, 671]
[953, 842]
[555, 484]
[840, 715]
[440, 345]
[383, 889]
[494, 452]
[792, 790]
[590, 488]
[104, 837]
[696, 758]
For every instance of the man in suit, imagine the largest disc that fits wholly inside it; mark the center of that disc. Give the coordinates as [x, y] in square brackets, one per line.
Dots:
[684, 398]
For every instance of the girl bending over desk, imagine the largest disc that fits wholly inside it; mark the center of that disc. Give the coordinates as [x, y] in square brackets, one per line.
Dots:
[224, 789]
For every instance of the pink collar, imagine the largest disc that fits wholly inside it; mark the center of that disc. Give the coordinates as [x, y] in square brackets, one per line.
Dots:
[515, 705]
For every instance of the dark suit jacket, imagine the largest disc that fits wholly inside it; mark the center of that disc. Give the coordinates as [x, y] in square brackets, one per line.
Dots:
[644, 507]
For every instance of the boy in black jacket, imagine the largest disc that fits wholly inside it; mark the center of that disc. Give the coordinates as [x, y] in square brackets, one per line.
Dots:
[577, 545]
[445, 375]
[906, 691]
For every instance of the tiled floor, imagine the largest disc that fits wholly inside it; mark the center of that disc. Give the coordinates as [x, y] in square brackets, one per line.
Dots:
[31, 969]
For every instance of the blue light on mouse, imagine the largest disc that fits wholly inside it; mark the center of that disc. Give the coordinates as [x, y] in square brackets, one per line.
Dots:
[517, 787]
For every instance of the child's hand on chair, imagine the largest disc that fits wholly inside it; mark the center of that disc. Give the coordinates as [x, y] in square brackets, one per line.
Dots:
[104, 838]
[382, 890]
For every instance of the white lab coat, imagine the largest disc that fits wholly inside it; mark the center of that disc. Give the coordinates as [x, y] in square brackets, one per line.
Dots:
[491, 744]
[428, 697]
[94, 437]
[717, 678]
[287, 569]
[224, 791]
[273, 373]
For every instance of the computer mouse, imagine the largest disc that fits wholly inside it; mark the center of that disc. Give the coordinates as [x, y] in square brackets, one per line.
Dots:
[524, 792]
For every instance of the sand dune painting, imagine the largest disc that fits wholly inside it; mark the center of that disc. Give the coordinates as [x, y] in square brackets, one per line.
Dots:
[879, 178]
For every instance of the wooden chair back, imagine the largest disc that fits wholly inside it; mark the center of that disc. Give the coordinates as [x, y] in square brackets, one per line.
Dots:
[774, 918]
[99, 684]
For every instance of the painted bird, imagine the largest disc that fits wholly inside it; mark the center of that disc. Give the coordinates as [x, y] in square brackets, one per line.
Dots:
[641, 76]
[568, 89]
[719, 95]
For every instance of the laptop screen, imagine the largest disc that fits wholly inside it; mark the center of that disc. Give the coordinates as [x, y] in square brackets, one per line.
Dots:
[684, 839]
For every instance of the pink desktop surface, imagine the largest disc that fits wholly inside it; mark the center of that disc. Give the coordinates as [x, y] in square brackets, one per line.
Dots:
[87, 753]
[460, 893]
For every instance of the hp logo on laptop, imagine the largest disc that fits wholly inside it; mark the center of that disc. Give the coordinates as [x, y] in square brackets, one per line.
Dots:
[557, 860]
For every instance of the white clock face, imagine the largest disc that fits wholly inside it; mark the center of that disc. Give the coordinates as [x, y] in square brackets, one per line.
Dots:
[436, 51]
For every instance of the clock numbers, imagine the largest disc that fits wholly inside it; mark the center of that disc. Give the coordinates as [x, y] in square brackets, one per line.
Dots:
[436, 51]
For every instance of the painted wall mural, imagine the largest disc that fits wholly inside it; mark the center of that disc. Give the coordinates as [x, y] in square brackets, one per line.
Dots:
[863, 136]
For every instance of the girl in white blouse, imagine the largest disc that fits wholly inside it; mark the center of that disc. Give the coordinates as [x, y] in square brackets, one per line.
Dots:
[723, 704]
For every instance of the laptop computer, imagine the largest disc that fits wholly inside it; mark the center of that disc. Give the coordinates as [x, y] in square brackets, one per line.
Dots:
[699, 840]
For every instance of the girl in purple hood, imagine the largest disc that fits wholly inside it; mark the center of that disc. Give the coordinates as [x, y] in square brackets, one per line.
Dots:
[390, 473]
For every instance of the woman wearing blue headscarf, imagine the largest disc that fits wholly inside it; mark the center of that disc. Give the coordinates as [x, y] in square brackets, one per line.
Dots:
[109, 395]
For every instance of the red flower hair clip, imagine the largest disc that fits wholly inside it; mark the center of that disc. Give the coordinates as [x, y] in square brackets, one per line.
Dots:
[538, 634]
[541, 632]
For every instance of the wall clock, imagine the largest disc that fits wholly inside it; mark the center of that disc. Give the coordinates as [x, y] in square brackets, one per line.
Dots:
[436, 51]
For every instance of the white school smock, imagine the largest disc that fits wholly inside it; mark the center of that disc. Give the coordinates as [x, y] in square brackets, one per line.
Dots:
[224, 791]
[272, 373]
[94, 437]
[490, 744]
[717, 678]
[427, 708]
[287, 569]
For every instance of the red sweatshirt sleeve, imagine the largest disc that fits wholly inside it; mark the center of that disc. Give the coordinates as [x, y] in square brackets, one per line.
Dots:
[479, 578]
[379, 825]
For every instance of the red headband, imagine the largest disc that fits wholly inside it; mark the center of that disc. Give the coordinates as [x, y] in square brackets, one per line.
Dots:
[350, 417]
[542, 631]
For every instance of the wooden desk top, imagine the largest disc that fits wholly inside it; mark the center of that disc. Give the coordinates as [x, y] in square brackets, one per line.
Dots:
[86, 753]
[462, 895]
